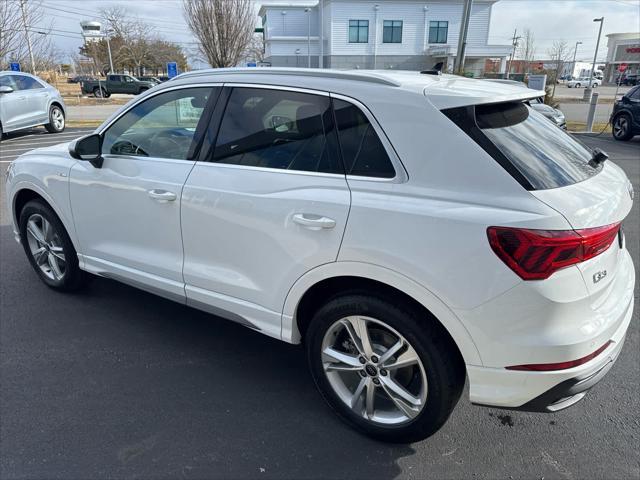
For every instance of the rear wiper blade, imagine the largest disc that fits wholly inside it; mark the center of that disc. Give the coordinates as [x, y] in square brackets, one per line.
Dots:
[598, 156]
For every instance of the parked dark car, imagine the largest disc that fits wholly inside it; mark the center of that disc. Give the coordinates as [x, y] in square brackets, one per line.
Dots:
[116, 84]
[80, 79]
[625, 118]
[630, 79]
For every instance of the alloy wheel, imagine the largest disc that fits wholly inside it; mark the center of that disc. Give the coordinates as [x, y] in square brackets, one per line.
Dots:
[46, 247]
[374, 370]
[620, 126]
[57, 118]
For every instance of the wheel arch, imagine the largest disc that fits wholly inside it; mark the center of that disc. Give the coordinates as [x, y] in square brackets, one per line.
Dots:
[321, 283]
[56, 103]
[26, 192]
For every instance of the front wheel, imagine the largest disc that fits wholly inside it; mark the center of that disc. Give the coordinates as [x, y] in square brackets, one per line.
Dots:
[384, 368]
[56, 120]
[49, 248]
[622, 127]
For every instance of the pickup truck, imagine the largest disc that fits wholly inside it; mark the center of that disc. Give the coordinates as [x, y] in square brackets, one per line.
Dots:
[116, 84]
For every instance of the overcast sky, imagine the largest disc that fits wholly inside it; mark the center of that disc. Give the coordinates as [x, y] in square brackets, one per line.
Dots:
[570, 20]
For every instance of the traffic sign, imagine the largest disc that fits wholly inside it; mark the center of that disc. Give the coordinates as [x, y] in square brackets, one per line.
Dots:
[172, 69]
[14, 66]
[622, 67]
[252, 64]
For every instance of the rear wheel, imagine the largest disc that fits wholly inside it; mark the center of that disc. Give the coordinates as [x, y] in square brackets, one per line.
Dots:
[384, 368]
[621, 127]
[49, 248]
[56, 120]
[100, 93]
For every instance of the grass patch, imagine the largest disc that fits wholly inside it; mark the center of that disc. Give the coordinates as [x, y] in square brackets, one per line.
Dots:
[582, 127]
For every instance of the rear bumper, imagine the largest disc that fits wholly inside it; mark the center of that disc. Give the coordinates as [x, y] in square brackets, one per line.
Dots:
[544, 391]
[570, 391]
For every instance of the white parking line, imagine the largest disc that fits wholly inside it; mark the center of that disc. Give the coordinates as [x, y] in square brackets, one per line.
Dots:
[47, 138]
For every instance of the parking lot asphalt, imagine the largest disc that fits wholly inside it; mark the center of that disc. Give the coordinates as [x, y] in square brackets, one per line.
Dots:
[113, 382]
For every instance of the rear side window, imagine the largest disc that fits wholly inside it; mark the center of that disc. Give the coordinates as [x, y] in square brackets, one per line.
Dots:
[362, 151]
[278, 129]
[535, 151]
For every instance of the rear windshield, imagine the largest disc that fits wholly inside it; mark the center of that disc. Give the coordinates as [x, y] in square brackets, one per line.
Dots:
[536, 153]
[543, 153]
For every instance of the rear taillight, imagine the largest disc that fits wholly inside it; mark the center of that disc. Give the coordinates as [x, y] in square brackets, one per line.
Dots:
[536, 254]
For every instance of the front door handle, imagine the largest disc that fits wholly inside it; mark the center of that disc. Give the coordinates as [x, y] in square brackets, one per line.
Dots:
[314, 222]
[162, 195]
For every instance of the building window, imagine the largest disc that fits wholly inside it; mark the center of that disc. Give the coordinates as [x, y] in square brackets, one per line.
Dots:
[392, 31]
[358, 31]
[438, 32]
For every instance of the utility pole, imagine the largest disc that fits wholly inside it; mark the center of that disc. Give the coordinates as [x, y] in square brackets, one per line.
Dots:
[462, 40]
[513, 51]
[321, 34]
[573, 63]
[26, 32]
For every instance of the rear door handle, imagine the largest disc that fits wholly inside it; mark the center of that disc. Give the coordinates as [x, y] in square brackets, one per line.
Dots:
[162, 195]
[314, 222]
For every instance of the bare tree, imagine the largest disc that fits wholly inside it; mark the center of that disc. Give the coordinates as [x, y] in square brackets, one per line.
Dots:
[224, 28]
[255, 49]
[136, 47]
[559, 54]
[13, 44]
[527, 49]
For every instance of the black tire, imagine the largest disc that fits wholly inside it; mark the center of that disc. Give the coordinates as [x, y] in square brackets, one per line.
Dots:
[73, 278]
[445, 371]
[54, 125]
[621, 127]
[100, 93]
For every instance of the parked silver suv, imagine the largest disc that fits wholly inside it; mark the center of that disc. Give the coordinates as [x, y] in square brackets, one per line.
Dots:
[28, 101]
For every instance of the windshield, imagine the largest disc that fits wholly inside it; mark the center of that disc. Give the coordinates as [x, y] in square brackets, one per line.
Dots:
[543, 153]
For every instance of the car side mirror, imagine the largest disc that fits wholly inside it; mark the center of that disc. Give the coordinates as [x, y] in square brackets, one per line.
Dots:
[6, 89]
[88, 148]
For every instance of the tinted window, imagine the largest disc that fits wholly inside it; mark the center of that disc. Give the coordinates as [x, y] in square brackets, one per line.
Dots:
[114, 78]
[362, 151]
[546, 155]
[278, 129]
[392, 31]
[438, 32]
[358, 31]
[162, 126]
[26, 83]
[634, 93]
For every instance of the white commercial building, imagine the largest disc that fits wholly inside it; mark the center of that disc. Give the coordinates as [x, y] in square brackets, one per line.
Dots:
[394, 34]
[622, 48]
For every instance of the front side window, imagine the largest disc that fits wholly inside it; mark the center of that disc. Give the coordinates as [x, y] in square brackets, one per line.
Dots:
[8, 81]
[163, 126]
[278, 129]
[362, 151]
[392, 31]
[26, 83]
[358, 31]
[438, 32]
[543, 153]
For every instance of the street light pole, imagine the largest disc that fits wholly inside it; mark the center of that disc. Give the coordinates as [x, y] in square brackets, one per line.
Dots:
[109, 50]
[587, 93]
[308, 10]
[26, 33]
[573, 64]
